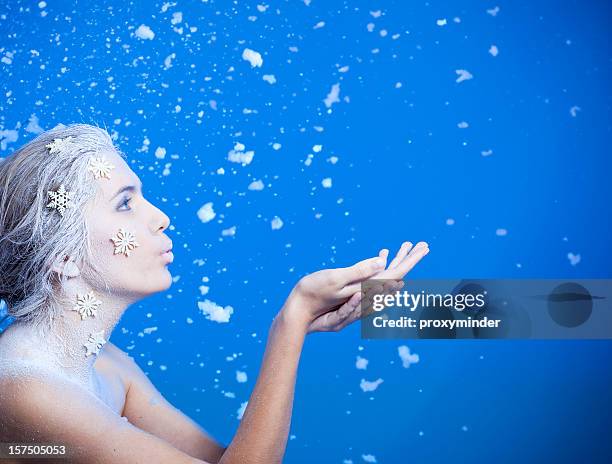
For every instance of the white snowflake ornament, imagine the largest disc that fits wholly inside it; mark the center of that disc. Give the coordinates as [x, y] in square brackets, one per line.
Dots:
[100, 167]
[87, 305]
[60, 199]
[125, 242]
[59, 145]
[94, 343]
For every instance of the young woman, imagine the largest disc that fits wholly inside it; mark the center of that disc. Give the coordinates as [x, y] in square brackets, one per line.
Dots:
[79, 243]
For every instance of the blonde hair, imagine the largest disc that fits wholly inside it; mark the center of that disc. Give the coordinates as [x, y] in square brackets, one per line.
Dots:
[34, 237]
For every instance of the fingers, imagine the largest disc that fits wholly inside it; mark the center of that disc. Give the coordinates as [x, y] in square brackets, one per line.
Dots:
[400, 270]
[416, 254]
[362, 270]
[401, 254]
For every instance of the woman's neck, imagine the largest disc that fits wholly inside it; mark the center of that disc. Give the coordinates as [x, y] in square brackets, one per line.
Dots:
[70, 344]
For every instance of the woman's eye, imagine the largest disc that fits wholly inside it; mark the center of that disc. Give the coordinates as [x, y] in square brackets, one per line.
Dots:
[125, 201]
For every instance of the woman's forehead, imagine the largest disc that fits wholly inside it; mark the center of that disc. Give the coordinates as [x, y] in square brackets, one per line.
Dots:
[120, 176]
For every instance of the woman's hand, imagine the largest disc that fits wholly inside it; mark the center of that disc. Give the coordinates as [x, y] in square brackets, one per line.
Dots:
[330, 299]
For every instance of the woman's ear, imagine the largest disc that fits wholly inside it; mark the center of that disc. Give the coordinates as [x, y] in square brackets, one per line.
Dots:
[68, 267]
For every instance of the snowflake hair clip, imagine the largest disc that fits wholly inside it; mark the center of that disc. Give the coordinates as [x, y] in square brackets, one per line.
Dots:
[59, 145]
[94, 343]
[87, 305]
[125, 242]
[100, 167]
[60, 199]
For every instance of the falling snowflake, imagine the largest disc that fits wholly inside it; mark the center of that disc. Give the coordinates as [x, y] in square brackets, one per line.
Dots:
[87, 305]
[100, 167]
[125, 242]
[59, 144]
[94, 343]
[60, 199]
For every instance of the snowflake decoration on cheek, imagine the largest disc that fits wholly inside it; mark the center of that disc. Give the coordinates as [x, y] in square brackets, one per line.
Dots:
[100, 167]
[60, 199]
[59, 145]
[87, 305]
[125, 242]
[94, 343]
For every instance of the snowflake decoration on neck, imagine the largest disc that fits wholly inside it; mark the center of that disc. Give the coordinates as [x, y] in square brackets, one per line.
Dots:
[87, 305]
[125, 242]
[100, 167]
[60, 199]
[94, 343]
[59, 145]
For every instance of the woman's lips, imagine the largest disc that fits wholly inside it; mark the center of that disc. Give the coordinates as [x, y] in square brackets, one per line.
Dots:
[168, 256]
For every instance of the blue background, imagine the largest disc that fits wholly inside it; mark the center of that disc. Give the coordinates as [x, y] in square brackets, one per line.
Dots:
[404, 168]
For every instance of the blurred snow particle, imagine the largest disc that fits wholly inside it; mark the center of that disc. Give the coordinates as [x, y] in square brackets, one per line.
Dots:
[168, 60]
[144, 32]
[256, 185]
[214, 312]
[277, 146]
[463, 74]
[327, 182]
[238, 155]
[319, 25]
[241, 377]
[160, 152]
[441, 22]
[241, 409]
[177, 18]
[361, 363]
[574, 110]
[368, 458]
[206, 212]
[573, 259]
[367, 386]
[464, 428]
[450, 222]
[463, 125]
[33, 127]
[230, 232]
[7, 136]
[252, 57]
[332, 96]
[317, 148]
[493, 50]
[486, 152]
[493, 11]
[406, 357]
[501, 232]
[276, 223]
[269, 78]
[376, 14]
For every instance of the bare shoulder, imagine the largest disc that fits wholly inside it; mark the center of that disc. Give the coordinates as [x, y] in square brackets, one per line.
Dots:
[118, 359]
[51, 409]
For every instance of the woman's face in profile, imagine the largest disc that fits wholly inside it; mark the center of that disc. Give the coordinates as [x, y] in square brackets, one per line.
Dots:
[120, 204]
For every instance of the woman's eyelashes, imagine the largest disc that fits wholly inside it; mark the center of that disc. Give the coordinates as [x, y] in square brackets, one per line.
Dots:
[124, 202]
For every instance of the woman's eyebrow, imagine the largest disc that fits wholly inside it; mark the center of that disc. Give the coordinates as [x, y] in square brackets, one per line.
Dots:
[127, 188]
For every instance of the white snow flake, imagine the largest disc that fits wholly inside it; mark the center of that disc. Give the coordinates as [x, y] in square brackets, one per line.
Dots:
[60, 199]
[100, 167]
[125, 242]
[59, 144]
[87, 305]
[94, 343]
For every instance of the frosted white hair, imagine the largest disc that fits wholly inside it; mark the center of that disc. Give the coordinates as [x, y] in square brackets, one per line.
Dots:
[34, 237]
